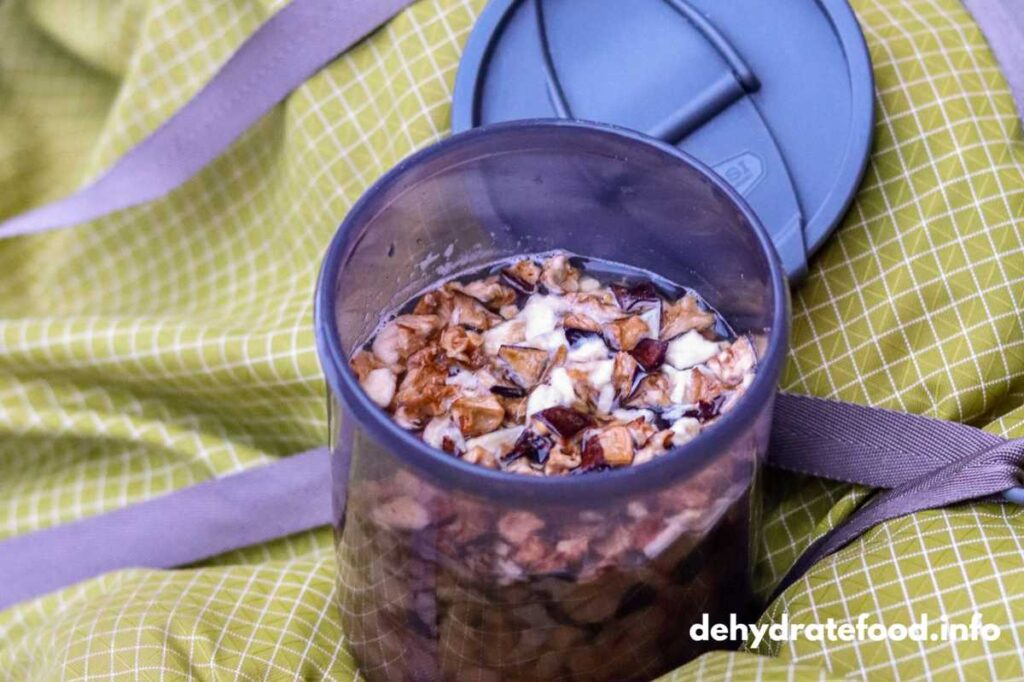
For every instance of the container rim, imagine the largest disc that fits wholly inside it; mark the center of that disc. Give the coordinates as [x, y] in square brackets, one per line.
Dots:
[474, 479]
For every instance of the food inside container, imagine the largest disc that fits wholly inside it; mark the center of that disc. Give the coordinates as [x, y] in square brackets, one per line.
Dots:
[546, 452]
[552, 364]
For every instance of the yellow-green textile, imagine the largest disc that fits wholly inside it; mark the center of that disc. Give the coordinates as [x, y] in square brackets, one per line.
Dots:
[172, 343]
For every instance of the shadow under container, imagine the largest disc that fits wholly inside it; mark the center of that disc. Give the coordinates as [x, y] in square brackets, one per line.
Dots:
[448, 570]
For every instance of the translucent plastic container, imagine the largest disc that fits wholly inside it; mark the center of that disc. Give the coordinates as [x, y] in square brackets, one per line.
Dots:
[448, 570]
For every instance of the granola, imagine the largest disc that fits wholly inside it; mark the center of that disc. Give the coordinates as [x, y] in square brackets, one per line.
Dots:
[540, 368]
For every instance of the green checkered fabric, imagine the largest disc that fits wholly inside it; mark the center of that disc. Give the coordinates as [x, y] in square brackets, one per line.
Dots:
[172, 343]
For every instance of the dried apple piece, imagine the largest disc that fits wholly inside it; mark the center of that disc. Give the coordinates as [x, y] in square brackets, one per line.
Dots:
[703, 386]
[623, 372]
[734, 363]
[625, 333]
[652, 391]
[616, 446]
[477, 415]
[463, 345]
[580, 323]
[470, 312]
[559, 275]
[523, 275]
[490, 292]
[525, 364]
[682, 316]
[403, 336]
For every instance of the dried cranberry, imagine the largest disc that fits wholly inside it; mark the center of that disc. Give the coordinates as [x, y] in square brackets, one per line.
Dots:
[650, 353]
[564, 421]
[531, 445]
[508, 391]
[575, 336]
[448, 445]
[706, 410]
[630, 296]
[592, 457]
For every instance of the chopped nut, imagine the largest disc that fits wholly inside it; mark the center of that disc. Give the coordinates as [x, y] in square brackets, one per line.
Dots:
[515, 410]
[625, 333]
[516, 526]
[439, 302]
[462, 345]
[561, 459]
[524, 274]
[641, 430]
[403, 513]
[490, 292]
[652, 391]
[363, 363]
[703, 387]
[470, 312]
[559, 276]
[623, 372]
[476, 416]
[616, 446]
[598, 306]
[682, 316]
[421, 325]
[581, 322]
[733, 363]
[423, 390]
[526, 364]
[402, 337]
[380, 385]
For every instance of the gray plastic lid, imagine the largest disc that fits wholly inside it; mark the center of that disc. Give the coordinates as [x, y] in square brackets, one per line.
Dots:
[775, 96]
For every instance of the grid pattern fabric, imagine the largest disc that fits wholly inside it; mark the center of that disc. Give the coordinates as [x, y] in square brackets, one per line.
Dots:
[172, 342]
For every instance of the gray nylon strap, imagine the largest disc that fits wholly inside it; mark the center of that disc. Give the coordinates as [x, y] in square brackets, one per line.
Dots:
[260, 504]
[923, 462]
[285, 51]
[920, 463]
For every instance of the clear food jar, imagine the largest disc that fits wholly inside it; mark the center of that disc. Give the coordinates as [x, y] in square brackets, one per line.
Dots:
[448, 570]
